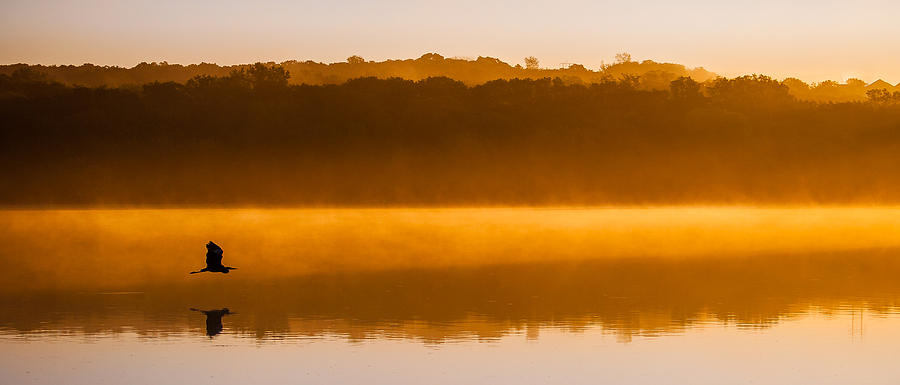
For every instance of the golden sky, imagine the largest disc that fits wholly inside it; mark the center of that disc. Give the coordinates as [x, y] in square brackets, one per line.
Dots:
[813, 40]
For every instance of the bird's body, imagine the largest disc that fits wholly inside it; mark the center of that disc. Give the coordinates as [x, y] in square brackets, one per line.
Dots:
[214, 255]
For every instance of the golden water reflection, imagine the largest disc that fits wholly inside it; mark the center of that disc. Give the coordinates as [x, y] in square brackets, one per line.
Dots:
[441, 275]
[642, 297]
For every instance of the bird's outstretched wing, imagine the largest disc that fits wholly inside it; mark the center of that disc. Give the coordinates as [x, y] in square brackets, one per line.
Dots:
[213, 255]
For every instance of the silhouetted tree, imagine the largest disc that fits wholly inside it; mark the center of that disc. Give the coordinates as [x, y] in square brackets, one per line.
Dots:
[261, 76]
[751, 91]
[623, 57]
[29, 74]
[532, 63]
[630, 81]
[883, 96]
[856, 83]
[685, 89]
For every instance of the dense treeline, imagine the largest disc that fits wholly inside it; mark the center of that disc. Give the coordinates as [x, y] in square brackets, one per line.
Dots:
[651, 75]
[470, 72]
[252, 138]
[853, 90]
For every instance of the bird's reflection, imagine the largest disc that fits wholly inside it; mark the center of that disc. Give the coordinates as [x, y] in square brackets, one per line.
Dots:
[214, 320]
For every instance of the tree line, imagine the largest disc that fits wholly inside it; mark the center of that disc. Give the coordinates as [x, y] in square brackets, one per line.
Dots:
[469, 71]
[251, 137]
[652, 75]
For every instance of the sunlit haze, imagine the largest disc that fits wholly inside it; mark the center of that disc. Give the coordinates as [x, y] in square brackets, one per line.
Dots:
[457, 192]
[811, 40]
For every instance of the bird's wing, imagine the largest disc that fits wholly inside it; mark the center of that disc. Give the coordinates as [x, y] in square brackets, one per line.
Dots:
[213, 259]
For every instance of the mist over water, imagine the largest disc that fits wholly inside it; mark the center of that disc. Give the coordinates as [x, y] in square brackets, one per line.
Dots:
[448, 282]
[397, 218]
[118, 249]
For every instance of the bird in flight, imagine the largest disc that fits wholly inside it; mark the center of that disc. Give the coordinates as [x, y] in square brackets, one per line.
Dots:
[214, 260]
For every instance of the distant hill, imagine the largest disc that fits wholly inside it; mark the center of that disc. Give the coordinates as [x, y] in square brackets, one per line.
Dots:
[652, 75]
[881, 84]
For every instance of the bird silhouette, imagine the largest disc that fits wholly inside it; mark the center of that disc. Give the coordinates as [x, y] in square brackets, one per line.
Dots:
[214, 260]
[214, 320]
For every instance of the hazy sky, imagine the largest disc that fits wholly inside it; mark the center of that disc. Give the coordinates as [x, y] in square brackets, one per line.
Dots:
[810, 39]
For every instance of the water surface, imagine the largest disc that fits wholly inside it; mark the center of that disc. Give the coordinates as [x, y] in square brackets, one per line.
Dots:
[640, 295]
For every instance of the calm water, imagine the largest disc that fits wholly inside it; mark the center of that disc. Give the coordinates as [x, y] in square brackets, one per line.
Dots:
[477, 296]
